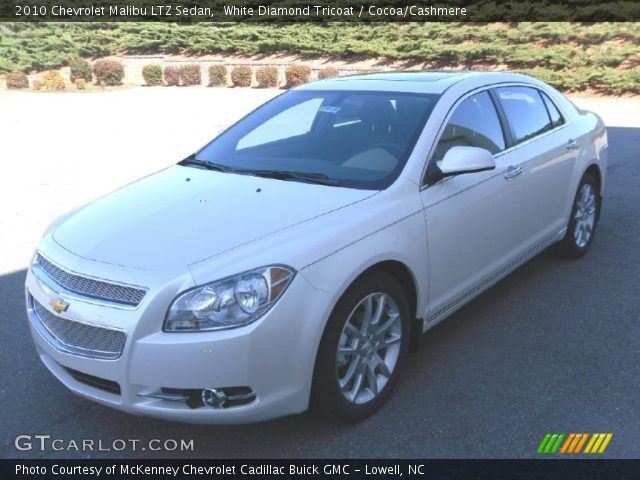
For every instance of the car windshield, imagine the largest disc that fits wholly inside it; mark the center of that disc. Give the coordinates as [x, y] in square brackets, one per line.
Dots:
[349, 138]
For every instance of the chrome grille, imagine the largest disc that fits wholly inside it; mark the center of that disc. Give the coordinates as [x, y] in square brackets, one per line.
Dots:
[79, 338]
[90, 287]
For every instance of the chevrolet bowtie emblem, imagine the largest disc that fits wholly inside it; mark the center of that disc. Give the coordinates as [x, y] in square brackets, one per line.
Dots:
[59, 305]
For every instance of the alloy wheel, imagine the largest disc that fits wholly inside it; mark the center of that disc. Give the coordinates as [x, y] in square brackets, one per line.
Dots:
[585, 216]
[369, 348]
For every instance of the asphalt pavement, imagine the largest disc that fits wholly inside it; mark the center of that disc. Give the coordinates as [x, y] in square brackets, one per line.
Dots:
[554, 347]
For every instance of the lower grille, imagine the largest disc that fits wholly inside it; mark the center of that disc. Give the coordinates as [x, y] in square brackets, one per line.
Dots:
[78, 338]
[96, 382]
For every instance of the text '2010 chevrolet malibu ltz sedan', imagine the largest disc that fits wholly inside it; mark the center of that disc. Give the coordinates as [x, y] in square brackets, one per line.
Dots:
[297, 256]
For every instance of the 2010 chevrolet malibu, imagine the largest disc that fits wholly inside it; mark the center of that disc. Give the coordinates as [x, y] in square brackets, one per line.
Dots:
[298, 255]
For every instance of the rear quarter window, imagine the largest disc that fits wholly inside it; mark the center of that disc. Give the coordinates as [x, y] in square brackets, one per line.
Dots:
[554, 113]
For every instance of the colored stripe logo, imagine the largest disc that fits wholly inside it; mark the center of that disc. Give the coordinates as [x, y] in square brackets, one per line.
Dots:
[574, 442]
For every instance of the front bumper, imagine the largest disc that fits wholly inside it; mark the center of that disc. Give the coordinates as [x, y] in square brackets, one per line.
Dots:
[273, 356]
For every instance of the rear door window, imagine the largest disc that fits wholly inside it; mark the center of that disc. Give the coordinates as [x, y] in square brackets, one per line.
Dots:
[525, 110]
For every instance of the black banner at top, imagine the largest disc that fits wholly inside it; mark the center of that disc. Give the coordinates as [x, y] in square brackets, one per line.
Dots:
[318, 11]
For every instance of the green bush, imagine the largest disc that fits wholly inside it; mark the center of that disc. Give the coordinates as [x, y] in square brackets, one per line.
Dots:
[79, 69]
[17, 80]
[172, 76]
[241, 76]
[108, 72]
[217, 75]
[190, 74]
[152, 74]
[327, 72]
[267, 77]
[619, 81]
[297, 75]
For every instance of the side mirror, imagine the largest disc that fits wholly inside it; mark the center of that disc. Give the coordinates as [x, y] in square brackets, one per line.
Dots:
[459, 160]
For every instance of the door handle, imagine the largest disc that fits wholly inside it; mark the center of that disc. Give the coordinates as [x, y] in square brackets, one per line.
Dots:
[572, 144]
[512, 172]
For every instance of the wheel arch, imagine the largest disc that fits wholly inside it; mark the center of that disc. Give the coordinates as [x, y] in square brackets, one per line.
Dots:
[400, 272]
[594, 170]
[404, 275]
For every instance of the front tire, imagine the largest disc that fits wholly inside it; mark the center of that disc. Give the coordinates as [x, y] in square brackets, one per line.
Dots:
[363, 348]
[583, 220]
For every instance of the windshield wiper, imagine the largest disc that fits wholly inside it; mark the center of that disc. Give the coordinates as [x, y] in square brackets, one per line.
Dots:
[310, 177]
[192, 160]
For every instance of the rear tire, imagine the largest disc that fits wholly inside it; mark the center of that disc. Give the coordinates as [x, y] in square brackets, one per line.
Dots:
[363, 348]
[584, 219]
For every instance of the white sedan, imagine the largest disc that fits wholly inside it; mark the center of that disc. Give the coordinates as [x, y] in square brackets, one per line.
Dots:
[297, 256]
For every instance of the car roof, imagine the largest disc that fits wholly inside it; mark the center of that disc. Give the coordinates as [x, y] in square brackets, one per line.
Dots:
[426, 81]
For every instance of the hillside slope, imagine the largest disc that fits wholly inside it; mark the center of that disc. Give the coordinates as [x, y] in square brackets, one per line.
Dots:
[603, 57]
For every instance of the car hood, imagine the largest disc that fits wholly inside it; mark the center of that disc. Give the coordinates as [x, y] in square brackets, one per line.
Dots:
[183, 215]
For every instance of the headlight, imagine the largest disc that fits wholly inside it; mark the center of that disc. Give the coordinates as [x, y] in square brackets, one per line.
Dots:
[230, 302]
